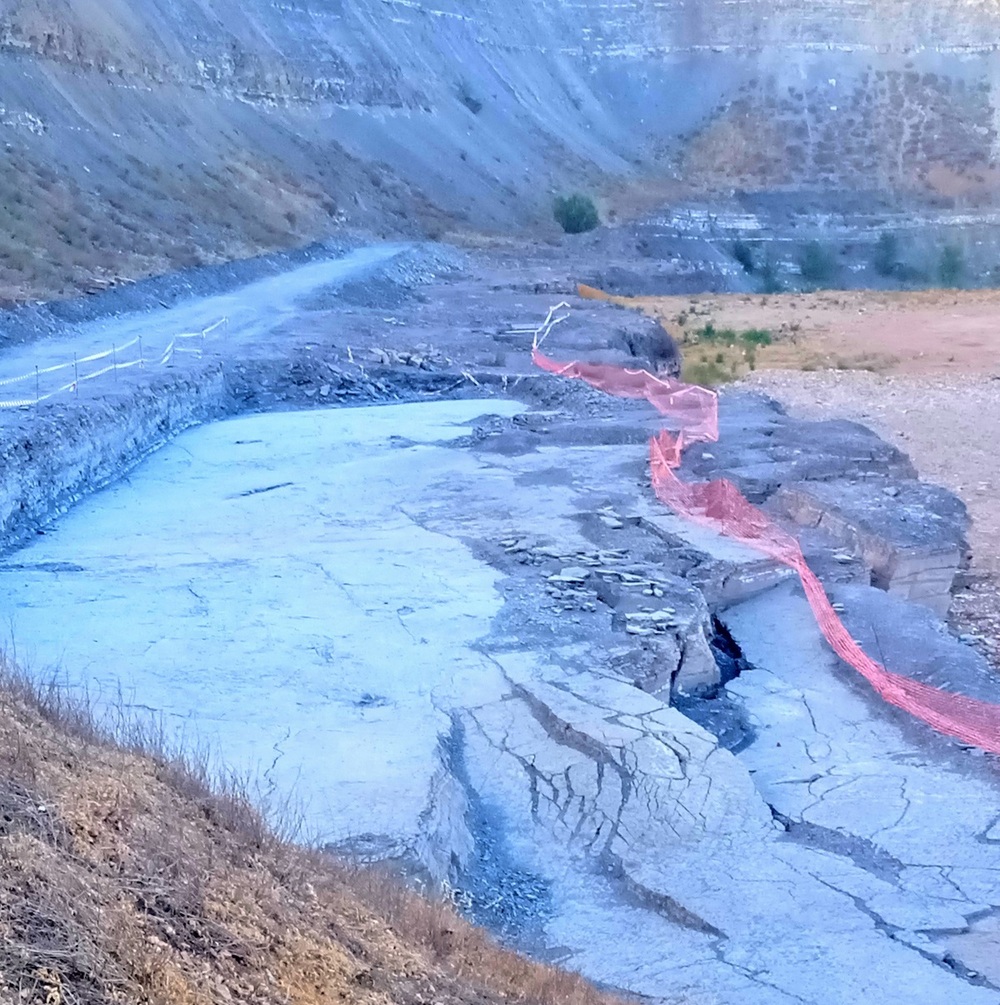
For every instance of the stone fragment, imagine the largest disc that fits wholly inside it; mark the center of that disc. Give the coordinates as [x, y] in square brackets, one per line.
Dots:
[575, 572]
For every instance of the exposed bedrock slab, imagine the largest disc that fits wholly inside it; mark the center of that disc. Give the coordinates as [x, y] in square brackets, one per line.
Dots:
[611, 797]
[456, 628]
[259, 586]
[724, 571]
[910, 534]
[906, 813]
[761, 448]
[910, 640]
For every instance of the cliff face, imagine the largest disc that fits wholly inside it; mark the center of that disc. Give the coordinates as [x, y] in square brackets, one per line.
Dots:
[169, 131]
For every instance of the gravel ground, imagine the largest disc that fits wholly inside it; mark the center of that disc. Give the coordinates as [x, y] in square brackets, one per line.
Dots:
[950, 427]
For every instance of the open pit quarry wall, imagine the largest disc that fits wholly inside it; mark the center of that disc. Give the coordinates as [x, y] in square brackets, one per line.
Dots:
[140, 135]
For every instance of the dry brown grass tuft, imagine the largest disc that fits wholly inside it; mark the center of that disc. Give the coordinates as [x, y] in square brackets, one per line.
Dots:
[62, 234]
[125, 876]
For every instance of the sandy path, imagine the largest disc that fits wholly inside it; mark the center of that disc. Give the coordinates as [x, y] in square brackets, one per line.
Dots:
[248, 310]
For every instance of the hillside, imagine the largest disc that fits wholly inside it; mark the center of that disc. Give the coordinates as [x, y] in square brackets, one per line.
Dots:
[125, 878]
[145, 136]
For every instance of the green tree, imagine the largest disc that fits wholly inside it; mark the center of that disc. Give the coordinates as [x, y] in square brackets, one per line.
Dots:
[886, 257]
[816, 263]
[576, 213]
[951, 266]
[743, 254]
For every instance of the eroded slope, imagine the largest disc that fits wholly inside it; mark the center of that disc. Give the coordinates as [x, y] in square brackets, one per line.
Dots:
[143, 136]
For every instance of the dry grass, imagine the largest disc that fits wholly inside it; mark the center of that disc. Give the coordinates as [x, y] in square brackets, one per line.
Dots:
[61, 235]
[125, 876]
[799, 323]
[921, 333]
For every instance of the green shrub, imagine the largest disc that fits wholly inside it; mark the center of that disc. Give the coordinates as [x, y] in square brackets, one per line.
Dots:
[757, 336]
[816, 263]
[751, 337]
[576, 213]
[951, 266]
[743, 254]
[886, 257]
[706, 374]
[770, 282]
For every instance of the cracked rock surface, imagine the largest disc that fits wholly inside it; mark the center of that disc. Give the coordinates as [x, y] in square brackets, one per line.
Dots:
[461, 636]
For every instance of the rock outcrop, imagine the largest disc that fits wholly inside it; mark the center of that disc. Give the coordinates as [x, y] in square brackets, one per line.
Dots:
[187, 132]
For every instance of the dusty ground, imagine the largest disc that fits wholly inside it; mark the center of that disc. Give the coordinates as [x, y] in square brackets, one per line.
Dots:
[936, 332]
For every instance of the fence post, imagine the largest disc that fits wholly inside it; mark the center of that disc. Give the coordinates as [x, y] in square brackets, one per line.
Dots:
[142, 364]
[37, 393]
[76, 376]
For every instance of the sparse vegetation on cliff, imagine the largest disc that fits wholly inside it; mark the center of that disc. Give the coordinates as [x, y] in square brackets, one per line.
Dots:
[951, 266]
[743, 253]
[886, 258]
[816, 264]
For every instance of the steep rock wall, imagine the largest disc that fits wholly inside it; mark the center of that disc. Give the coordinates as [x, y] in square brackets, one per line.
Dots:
[186, 130]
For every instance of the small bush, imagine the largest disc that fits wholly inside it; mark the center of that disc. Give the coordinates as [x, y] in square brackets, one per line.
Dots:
[816, 263]
[770, 281]
[951, 266]
[576, 213]
[886, 258]
[757, 336]
[736, 353]
[743, 254]
[706, 374]
[751, 337]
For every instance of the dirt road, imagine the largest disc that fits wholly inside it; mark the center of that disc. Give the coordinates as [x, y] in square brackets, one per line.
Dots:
[246, 311]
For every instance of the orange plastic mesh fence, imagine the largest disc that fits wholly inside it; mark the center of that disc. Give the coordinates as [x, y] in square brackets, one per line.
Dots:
[591, 293]
[720, 506]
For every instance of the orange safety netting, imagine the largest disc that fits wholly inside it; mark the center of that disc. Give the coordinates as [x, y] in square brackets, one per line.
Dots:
[720, 506]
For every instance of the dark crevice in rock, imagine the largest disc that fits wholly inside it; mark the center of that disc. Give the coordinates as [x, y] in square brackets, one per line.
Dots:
[863, 853]
[727, 652]
[715, 709]
[492, 891]
[667, 907]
